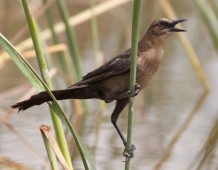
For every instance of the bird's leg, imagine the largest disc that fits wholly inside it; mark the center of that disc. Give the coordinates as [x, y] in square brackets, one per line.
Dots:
[120, 105]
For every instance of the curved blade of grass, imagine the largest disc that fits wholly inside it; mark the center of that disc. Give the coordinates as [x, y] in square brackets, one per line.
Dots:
[37, 82]
[21, 63]
[27, 70]
[55, 106]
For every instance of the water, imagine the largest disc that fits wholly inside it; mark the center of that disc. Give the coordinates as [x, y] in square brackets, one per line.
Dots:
[162, 109]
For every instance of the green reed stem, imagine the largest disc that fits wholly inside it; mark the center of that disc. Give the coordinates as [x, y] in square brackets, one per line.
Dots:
[134, 51]
[72, 44]
[71, 38]
[54, 37]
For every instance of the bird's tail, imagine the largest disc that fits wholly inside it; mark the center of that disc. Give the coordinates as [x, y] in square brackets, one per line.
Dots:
[85, 92]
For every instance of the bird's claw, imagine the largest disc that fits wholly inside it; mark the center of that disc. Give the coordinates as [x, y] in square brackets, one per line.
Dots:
[129, 153]
[135, 92]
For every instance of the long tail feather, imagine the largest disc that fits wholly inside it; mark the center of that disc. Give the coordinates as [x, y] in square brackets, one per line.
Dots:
[71, 93]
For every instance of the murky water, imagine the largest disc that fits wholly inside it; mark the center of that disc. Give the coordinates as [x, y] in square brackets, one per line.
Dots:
[170, 109]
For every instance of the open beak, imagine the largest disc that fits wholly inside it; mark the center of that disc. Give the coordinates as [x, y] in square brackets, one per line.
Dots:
[173, 24]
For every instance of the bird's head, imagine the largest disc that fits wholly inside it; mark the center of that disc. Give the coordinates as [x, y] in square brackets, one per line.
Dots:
[161, 29]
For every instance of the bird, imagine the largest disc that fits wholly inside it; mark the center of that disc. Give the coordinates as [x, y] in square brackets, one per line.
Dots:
[111, 81]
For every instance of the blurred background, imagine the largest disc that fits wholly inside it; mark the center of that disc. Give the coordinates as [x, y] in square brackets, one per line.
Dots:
[176, 116]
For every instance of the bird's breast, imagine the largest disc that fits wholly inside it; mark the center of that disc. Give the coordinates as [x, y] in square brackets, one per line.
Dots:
[147, 64]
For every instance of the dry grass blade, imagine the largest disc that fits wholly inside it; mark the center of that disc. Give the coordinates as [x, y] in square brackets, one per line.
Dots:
[73, 21]
[4, 57]
[46, 132]
[51, 50]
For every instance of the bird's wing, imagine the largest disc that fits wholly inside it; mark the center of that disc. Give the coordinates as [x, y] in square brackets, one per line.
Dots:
[115, 66]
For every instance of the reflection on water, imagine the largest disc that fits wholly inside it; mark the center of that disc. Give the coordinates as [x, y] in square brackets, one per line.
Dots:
[172, 118]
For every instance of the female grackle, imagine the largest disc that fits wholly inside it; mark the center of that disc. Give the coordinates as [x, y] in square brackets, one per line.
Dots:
[111, 81]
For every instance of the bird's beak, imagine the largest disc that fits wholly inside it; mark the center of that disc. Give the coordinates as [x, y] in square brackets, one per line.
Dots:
[173, 24]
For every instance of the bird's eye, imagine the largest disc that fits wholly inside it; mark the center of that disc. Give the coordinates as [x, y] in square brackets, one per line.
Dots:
[163, 23]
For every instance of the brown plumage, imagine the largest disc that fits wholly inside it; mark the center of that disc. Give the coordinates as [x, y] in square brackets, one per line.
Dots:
[111, 81]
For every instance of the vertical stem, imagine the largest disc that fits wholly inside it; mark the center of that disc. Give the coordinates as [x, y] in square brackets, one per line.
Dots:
[71, 38]
[55, 40]
[134, 51]
[44, 73]
[72, 44]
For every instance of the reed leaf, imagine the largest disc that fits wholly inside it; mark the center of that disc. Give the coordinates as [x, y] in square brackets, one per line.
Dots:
[35, 79]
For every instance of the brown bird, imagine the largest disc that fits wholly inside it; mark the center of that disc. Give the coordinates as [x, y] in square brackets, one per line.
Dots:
[111, 81]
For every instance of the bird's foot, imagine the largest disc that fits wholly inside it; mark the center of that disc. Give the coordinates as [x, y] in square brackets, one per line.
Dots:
[129, 153]
[135, 92]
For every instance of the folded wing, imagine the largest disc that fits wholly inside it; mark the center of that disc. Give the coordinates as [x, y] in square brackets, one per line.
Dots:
[115, 66]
